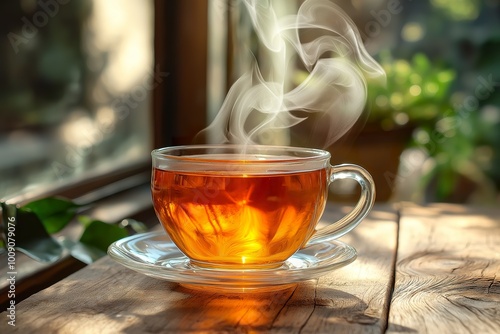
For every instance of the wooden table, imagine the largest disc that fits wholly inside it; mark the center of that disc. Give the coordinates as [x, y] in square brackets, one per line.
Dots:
[432, 269]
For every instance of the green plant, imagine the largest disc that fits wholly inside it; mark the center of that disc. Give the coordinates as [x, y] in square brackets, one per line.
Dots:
[416, 92]
[30, 229]
[459, 157]
[418, 95]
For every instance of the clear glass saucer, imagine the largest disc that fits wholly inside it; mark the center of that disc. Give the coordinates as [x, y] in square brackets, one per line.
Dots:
[155, 255]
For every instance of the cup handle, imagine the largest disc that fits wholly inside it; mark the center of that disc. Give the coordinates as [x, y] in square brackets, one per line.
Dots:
[358, 213]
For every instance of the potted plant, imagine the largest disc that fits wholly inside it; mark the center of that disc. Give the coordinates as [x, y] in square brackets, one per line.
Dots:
[415, 96]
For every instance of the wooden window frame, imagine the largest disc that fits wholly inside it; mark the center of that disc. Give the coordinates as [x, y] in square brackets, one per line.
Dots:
[178, 114]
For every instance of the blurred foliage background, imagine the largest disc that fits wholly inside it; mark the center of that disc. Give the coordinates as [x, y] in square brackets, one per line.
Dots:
[441, 59]
[443, 75]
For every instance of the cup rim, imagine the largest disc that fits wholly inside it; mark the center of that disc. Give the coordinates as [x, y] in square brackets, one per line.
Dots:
[314, 153]
[309, 154]
[210, 159]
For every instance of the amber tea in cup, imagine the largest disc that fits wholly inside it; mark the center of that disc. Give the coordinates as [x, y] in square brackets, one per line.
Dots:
[230, 206]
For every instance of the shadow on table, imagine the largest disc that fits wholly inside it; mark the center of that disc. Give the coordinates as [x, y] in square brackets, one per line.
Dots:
[138, 304]
[288, 310]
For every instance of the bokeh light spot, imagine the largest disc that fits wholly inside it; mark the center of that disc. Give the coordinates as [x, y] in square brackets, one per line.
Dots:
[415, 90]
[412, 32]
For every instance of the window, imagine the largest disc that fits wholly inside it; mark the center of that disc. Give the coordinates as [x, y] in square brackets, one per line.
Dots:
[76, 91]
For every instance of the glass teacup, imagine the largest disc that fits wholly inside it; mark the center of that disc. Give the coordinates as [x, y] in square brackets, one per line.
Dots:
[249, 207]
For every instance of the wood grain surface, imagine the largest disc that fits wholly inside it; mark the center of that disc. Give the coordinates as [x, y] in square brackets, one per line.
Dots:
[447, 273]
[108, 298]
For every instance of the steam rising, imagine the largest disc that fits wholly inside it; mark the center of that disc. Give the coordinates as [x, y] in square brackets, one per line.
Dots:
[328, 45]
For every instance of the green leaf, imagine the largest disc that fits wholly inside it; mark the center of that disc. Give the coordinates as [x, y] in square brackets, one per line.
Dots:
[8, 213]
[29, 234]
[100, 235]
[85, 220]
[421, 62]
[55, 213]
[80, 251]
